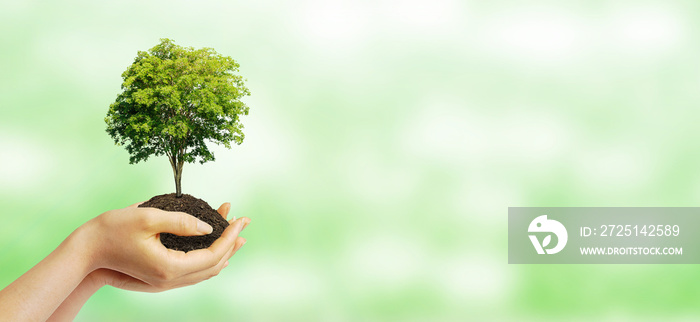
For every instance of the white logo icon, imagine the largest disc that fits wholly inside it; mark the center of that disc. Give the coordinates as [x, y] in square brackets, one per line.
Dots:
[543, 225]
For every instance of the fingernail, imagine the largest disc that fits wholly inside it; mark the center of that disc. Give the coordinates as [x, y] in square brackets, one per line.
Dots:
[204, 228]
[225, 264]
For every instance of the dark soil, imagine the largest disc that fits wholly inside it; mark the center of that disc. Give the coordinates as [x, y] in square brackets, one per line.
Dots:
[195, 207]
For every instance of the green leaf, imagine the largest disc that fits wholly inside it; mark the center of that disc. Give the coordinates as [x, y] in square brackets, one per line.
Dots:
[174, 99]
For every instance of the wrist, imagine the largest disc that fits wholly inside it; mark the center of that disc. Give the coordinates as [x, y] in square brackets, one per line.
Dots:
[96, 279]
[81, 246]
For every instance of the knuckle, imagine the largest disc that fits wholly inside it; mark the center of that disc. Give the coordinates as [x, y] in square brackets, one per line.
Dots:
[147, 219]
[214, 261]
[108, 218]
[186, 223]
[168, 276]
[160, 286]
[164, 275]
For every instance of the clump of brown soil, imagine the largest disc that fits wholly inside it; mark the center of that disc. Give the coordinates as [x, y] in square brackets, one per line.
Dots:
[195, 207]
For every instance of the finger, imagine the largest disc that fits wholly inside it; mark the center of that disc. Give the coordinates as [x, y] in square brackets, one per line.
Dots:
[224, 209]
[210, 272]
[213, 271]
[222, 263]
[240, 241]
[229, 236]
[178, 223]
[201, 259]
[244, 225]
[207, 273]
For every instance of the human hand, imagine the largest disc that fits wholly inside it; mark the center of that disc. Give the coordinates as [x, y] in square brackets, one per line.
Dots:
[128, 254]
[120, 248]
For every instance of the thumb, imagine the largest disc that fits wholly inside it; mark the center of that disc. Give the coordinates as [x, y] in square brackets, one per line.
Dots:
[179, 223]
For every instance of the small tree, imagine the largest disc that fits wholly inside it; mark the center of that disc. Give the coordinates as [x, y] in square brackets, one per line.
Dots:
[174, 99]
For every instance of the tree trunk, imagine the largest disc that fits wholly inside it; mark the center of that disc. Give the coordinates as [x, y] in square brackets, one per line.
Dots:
[178, 180]
[177, 172]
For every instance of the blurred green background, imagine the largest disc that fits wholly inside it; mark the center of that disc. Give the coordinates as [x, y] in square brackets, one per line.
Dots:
[385, 142]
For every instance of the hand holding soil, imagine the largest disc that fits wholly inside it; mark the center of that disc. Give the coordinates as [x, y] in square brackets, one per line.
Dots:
[123, 281]
[121, 248]
[128, 241]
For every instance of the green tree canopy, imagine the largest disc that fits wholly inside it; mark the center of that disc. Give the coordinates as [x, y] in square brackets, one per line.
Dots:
[174, 100]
